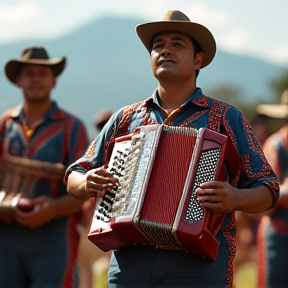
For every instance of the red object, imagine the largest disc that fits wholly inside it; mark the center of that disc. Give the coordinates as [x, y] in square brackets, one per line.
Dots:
[166, 211]
[25, 204]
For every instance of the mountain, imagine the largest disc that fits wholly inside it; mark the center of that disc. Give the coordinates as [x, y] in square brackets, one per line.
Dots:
[108, 67]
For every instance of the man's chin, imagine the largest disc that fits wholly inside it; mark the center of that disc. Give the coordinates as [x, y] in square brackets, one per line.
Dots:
[164, 73]
[37, 99]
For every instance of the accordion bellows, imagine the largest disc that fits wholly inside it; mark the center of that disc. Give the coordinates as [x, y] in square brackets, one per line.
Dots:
[159, 167]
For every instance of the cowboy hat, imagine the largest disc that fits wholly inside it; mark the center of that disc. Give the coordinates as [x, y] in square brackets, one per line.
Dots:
[33, 55]
[177, 21]
[279, 111]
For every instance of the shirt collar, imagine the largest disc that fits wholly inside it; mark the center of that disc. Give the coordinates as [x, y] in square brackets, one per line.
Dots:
[197, 98]
[54, 112]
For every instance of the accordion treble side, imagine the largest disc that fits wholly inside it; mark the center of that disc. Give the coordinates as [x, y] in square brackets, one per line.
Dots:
[159, 167]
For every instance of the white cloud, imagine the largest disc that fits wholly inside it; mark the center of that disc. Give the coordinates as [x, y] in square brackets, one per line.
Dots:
[208, 16]
[279, 53]
[153, 10]
[242, 41]
[20, 13]
[237, 40]
[19, 19]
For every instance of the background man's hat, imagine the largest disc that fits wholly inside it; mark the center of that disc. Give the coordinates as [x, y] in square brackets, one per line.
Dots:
[177, 21]
[33, 55]
[275, 110]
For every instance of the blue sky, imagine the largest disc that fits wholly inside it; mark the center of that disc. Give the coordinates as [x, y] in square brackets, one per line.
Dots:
[256, 28]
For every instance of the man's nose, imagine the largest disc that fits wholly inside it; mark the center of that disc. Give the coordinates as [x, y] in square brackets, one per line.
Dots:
[166, 51]
[36, 77]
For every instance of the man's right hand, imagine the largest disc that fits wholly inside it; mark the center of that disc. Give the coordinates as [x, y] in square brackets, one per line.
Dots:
[98, 181]
[92, 184]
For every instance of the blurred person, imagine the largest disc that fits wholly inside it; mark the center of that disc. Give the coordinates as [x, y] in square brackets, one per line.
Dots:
[38, 246]
[93, 263]
[273, 227]
[261, 127]
[102, 118]
[247, 224]
[178, 49]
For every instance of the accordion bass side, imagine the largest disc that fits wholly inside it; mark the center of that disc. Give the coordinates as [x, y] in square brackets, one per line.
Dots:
[159, 167]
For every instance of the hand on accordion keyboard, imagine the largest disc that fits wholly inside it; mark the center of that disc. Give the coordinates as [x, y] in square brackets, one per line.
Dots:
[98, 181]
[218, 196]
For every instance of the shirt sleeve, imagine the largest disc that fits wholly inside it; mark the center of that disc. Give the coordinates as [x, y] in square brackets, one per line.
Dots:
[254, 169]
[95, 153]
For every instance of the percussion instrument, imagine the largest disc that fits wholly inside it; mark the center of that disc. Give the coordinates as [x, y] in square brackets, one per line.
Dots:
[18, 176]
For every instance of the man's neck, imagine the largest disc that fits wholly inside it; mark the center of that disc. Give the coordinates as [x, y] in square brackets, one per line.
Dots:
[172, 97]
[34, 111]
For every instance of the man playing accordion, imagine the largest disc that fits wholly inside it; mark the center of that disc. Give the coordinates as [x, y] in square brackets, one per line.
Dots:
[178, 49]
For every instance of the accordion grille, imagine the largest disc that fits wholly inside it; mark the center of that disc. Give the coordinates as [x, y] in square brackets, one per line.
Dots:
[206, 170]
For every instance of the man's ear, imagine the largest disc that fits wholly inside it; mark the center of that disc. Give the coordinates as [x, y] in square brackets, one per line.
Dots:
[199, 60]
[54, 82]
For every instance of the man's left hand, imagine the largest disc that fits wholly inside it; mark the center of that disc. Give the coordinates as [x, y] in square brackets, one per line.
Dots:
[220, 197]
[42, 213]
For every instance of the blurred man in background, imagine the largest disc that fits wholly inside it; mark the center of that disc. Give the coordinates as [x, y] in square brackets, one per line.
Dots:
[273, 227]
[38, 248]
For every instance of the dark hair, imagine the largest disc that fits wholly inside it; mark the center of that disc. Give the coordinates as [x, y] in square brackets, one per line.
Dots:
[197, 49]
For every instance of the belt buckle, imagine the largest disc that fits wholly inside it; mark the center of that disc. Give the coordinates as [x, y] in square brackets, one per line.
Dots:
[166, 247]
[163, 247]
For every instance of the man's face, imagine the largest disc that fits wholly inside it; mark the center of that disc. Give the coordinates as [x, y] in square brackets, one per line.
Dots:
[36, 82]
[173, 55]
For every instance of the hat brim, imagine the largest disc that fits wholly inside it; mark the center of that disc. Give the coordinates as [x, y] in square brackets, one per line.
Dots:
[12, 67]
[279, 111]
[198, 32]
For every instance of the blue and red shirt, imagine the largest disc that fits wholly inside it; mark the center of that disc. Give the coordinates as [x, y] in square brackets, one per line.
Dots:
[58, 137]
[198, 111]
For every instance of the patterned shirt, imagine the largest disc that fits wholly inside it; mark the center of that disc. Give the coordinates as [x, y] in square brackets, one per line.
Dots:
[197, 112]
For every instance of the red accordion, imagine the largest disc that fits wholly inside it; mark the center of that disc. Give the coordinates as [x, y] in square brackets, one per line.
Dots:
[159, 167]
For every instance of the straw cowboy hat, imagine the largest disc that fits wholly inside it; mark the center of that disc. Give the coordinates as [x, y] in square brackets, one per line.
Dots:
[33, 55]
[177, 21]
[275, 110]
